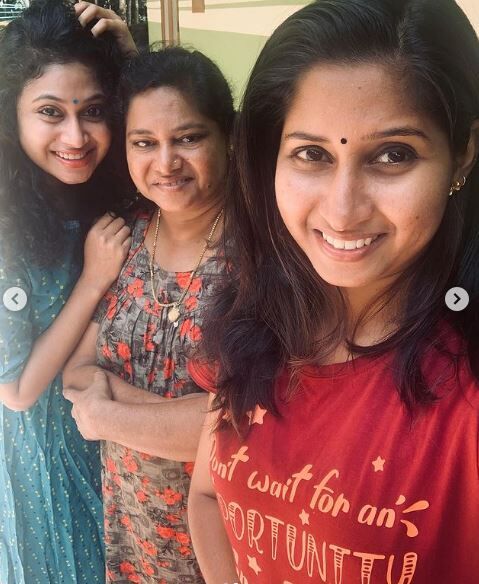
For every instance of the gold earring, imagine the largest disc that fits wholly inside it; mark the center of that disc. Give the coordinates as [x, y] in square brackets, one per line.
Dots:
[457, 186]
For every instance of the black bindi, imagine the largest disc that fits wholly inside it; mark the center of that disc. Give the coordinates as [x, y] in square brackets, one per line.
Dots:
[344, 141]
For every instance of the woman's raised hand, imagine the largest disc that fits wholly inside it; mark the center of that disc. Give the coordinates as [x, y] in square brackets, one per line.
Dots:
[106, 248]
[107, 21]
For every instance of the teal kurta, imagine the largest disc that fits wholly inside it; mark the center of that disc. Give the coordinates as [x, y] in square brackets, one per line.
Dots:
[51, 523]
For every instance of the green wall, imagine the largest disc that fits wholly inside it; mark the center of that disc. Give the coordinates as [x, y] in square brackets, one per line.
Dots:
[233, 52]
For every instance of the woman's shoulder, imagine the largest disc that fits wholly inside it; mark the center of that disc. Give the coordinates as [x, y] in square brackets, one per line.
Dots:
[137, 215]
[448, 364]
[204, 374]
[138, 219]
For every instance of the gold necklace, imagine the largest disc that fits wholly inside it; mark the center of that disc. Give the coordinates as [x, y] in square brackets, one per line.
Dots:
[174, 312]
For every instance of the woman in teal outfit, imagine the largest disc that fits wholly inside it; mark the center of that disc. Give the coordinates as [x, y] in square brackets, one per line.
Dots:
[57, 175]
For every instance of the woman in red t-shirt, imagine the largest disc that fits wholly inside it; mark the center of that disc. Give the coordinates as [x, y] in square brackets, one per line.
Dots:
[342, 445]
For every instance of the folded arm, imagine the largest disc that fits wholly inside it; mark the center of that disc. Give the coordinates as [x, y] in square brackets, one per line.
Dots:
[127, 415]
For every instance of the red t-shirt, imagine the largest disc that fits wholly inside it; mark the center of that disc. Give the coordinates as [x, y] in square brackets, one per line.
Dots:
[345, 488]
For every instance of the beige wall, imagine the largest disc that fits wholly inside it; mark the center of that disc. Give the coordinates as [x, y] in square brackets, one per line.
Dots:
[471, 8]
[232, 32]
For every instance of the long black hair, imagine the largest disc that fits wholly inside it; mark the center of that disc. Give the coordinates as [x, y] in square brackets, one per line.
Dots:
[269, 317]
[31, 223]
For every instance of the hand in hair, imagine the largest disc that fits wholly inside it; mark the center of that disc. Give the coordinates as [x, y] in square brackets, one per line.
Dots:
[107, 21]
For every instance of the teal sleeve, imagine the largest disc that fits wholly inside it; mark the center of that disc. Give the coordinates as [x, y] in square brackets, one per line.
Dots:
[16, 328]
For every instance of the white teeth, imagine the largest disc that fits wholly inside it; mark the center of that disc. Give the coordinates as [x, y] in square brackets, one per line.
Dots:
[348, 245]
[175, 183]
[68, 156]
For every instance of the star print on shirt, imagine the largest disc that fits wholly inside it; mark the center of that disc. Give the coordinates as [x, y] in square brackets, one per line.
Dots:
[304, 517]
[257, 416]
[378, 464]
[253, 564]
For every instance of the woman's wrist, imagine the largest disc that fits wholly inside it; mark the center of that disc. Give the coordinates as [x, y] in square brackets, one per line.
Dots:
[92, 287]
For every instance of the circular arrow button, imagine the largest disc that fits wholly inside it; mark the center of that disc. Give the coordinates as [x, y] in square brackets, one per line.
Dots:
[457, 299]
[15, 298]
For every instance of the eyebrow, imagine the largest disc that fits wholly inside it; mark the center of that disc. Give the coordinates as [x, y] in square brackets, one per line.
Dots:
[390, 133]
[403, 131]
[182, 128]
[305, 136]
[52, 97]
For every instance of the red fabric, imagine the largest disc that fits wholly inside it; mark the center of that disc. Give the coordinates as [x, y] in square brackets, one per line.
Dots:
[345, 488]
[203, 374]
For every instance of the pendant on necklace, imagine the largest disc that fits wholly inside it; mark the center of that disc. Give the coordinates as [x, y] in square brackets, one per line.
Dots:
[173, 315]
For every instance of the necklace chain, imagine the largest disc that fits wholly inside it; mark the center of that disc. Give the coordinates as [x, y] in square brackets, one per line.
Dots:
[174, 313]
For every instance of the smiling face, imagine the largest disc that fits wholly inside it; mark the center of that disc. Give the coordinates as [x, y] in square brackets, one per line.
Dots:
[176, 156]
[61, 122]
[362, 176]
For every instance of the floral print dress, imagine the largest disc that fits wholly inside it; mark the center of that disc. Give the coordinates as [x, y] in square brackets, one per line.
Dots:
[145, 497]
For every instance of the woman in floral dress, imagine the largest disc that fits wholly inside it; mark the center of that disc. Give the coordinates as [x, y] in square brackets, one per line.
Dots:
[132, 389]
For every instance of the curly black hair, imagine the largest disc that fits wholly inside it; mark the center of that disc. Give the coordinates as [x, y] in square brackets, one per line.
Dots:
[33, 204]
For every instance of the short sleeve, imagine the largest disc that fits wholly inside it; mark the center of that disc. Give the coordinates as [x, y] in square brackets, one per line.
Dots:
[203, 374]
[16, 327]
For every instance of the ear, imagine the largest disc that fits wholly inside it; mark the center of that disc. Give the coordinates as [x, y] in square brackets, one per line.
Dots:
[467, 160]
